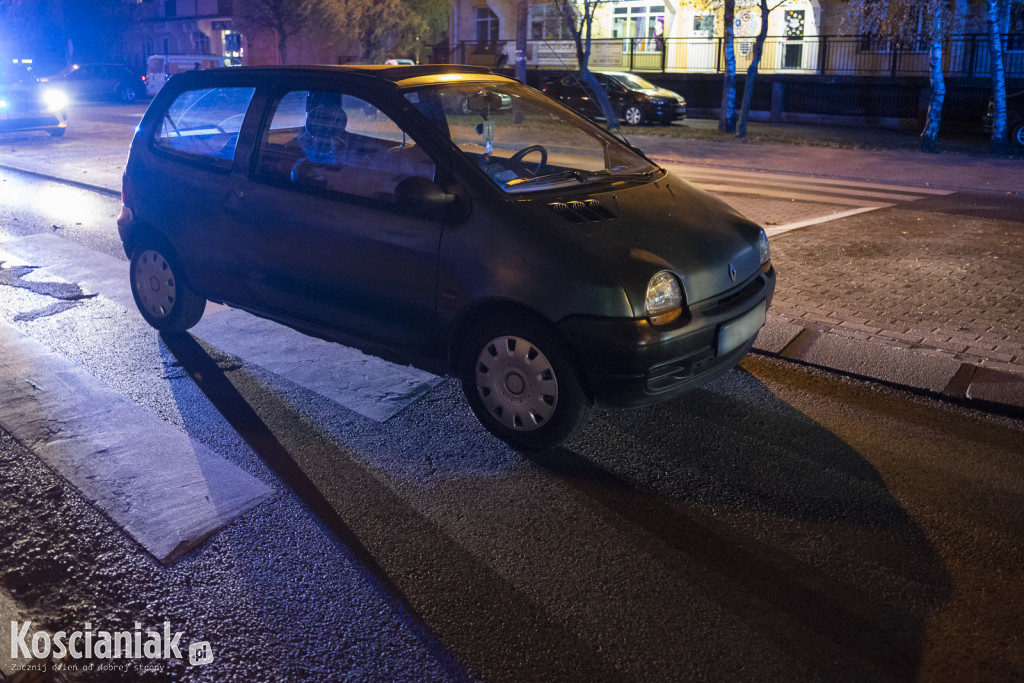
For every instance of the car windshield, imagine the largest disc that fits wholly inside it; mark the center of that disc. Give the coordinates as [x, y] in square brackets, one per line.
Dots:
[631, 81]
[523, 141]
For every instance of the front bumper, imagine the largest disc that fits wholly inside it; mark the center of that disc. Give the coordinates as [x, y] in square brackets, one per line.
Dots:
[666, 113]
[629, 362]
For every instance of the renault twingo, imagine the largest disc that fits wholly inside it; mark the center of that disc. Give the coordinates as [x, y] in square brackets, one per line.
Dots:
[445, 217]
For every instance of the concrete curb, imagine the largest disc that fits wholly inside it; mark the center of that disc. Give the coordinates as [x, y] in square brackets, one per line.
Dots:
[943, 378]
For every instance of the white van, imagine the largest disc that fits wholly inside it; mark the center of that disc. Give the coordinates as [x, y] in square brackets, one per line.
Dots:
[161, 67]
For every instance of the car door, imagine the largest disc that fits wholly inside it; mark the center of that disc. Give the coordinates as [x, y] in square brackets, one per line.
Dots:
[573, 95]
[330, 244]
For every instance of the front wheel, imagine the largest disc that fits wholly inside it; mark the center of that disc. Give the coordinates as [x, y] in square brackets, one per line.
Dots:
[633, 114]
[520, 382]
[161, 289]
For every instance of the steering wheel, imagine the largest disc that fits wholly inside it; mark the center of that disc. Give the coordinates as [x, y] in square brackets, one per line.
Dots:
[517, 158]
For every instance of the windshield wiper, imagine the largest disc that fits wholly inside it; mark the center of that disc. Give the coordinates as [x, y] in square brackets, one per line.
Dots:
[580, 177]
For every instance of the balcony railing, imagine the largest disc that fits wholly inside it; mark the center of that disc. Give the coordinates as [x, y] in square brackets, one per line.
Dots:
[965, 55]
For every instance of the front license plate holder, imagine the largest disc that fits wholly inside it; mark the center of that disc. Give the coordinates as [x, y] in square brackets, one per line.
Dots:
[738, 330]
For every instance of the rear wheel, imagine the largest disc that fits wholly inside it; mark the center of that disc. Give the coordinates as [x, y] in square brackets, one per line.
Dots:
[126, 94]
[161, 289]
[56, 132]
[521, 383]
[1017, 134]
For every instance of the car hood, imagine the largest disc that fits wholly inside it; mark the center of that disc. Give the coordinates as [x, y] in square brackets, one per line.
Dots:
[669, 224]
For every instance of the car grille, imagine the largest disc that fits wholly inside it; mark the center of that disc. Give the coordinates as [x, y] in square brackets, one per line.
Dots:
[588, 211]
[732, 298]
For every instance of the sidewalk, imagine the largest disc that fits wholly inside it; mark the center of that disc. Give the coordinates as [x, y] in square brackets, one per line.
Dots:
[925, 299]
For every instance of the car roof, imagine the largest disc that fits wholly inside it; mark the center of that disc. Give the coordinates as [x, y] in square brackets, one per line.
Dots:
[398, 74]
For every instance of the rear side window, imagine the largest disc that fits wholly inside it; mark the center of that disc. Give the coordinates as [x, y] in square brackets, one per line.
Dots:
[203, 125]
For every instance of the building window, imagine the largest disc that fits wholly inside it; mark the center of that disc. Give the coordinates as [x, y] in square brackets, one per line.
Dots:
[200, 43]
[486, 31]
[644, 25]
[547, 22]
[170, 8]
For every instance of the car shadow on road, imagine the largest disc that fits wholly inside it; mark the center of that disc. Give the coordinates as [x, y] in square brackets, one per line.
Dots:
[778, 545]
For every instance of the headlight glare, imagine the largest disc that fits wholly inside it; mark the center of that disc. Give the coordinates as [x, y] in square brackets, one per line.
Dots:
[55, 99]
[664, 298]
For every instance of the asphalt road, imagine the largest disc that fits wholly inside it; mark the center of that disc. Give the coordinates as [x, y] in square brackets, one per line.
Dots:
[779, 524]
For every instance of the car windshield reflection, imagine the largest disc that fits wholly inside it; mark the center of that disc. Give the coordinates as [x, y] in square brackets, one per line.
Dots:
[523, 141]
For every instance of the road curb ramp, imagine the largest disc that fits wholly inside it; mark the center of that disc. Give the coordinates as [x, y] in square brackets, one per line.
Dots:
[939, 377]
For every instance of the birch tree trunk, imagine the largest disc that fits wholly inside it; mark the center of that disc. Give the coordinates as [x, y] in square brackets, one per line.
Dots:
[930, 134]
[995, 44]
[755, 61]
[727, 117]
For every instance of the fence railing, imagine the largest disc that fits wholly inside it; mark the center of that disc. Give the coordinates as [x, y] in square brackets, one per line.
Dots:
[965, 55]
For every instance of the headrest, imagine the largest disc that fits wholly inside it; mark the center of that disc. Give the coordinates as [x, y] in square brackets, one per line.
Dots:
[326, 121]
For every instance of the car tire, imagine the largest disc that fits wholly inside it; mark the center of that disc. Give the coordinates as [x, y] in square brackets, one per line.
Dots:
[126, 94]
[633, 114]
[56, 132]
[1017, 135]
[522, 383]
[161, 289]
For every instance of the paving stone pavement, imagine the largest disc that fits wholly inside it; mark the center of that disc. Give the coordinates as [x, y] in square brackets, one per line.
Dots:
[951, 291]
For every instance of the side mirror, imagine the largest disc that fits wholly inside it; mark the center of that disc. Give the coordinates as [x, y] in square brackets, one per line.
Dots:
[420, 194]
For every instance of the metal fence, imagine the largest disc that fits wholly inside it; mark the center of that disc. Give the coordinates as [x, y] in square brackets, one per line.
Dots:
[965, 55]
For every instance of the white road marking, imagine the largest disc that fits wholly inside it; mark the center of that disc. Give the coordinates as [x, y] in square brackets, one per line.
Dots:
[365, 384]
[861, 195]
[165, 490]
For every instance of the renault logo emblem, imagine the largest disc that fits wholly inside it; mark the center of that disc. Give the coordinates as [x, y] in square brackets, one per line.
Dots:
[732, 272]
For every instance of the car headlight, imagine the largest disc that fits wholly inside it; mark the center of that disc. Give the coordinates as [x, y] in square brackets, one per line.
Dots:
[55, 99]
[3, 103]
[763, 249]
[664, 298]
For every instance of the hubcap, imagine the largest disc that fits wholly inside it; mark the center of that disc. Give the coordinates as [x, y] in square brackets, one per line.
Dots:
[633, 116]
[154, 283]
[516, 383]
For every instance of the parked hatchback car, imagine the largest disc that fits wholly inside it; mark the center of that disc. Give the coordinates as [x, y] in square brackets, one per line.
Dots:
[100, 82]
[28, 104]
[635, 100]
[406, 210]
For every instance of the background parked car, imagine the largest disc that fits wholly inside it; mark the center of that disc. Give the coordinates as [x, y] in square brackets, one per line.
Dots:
[636, 100]
[28, 104]
[100, 82]
[159, 68]
[1014, 117]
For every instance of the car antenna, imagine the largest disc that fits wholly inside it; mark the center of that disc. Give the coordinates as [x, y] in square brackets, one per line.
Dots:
[617, 129]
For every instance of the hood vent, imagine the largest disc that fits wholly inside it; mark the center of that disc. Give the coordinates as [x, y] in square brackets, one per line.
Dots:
[588, 211]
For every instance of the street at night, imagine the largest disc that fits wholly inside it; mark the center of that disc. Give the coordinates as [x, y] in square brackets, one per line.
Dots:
[845, 505]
